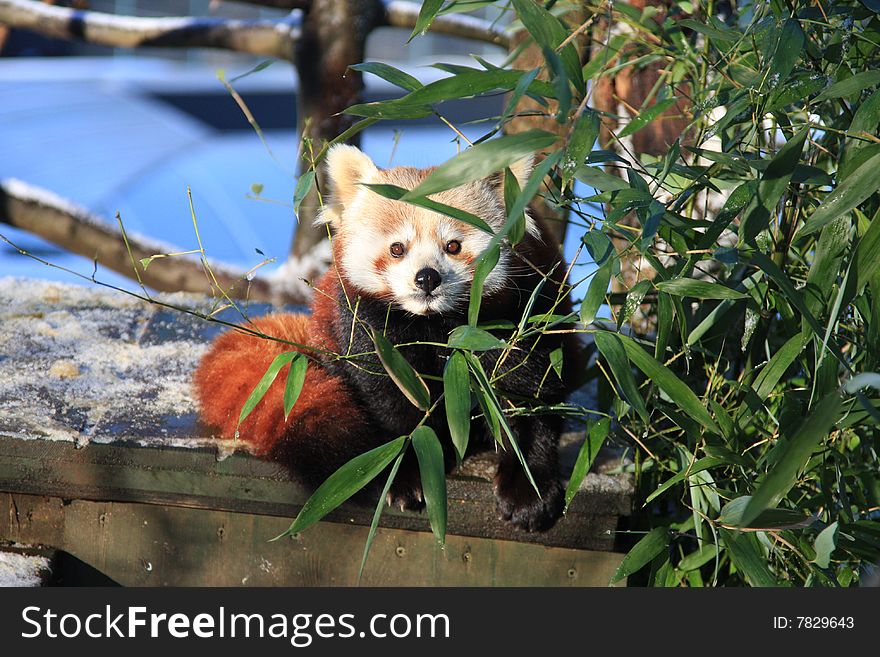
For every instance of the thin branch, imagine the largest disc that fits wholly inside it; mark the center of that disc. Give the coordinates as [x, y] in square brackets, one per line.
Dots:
[400, 13]
[75, 229]
[269, 38]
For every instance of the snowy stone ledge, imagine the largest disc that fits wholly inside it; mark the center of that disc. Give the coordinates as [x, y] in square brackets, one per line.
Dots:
[83, 364]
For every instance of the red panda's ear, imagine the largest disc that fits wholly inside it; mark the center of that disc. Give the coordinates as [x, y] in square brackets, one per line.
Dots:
[522, 169]
[346, 167]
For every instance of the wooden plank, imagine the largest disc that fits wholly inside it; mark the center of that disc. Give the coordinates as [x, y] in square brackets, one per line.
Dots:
[194, 478]
[152, 545]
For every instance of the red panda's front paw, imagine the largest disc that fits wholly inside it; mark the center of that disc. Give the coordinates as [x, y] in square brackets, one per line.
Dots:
[406, 497]
[519, 504]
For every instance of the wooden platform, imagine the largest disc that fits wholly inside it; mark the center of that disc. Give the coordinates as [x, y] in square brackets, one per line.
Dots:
[101, 457]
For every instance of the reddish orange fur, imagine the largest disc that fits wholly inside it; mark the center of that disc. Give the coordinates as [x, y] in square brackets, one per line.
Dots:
[237, 361]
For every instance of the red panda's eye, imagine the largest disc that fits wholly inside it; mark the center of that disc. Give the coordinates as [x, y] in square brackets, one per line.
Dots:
[397, 249]
[453, 247]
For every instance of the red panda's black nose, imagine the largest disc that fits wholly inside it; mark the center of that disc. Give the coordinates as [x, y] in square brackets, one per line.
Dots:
[428, 279]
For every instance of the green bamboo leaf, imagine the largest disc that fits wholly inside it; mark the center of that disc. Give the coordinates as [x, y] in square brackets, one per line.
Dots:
[633, 300]
[689, 287]
[769, 519]
[864, 122]
[773, 184]
[613, 350]
[401, 372]
[721, 37]
[646, 117]
[511, 193]
[599, 246]
[825, 544]
[485, 264]
[772, 372]
[665, 318]
[832, 243]
[748, 559]
[398, 193]
[583, 137]
[296, 377]
[380, 506]
[264, 383]
[692, 469]
[303, 186]
[800, 447]
[699, 558]
[433, 474]
[344, 483]
[669, 383]
[393, 75]
[492, 408]
[593, 442]
[426, 16]
[850, 86]
[457, 400]
[858, 186]
[867, 259]
[549, 33]
[598, 179]
[788, 51]
[600, 60]
[475, 339]
[595, 296]
[642, 553]
[482, 160]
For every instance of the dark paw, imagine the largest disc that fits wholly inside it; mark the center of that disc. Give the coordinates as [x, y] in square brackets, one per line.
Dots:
[518, 503]
[406, 498]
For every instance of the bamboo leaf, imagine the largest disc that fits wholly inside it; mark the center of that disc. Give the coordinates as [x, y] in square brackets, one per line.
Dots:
[595, 296]
[646, 117]
[475, 339]
[426, 16]
[457, 399]
[747, 559]
[586, 457]
[295, 379]
[398, 193]
[774, 181]
[265, 383]
[485, 264]
[689, 287]
[482, 160]
[800, 447]
[401, 372]
[303, 186]
[390, 74]
[858, 186]
[850, 86]
[344, 483]
[669, 383]
[380, 506]
[433, 474]
[613, 350]
[825, 544]
[642, 553]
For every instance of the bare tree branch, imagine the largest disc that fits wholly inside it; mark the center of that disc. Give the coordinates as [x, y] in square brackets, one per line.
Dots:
[75, 229]
[280, 4]
[400, 13]
[263, 38]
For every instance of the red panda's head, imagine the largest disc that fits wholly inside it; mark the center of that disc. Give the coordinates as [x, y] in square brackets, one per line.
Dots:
[419, 260]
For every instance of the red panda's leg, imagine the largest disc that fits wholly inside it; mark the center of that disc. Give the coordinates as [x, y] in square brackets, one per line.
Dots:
[537, 437]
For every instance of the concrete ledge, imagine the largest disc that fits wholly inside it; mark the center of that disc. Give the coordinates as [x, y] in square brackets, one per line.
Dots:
[95, 409]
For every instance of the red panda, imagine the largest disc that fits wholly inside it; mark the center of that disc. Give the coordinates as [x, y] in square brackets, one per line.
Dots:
[406, 271]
